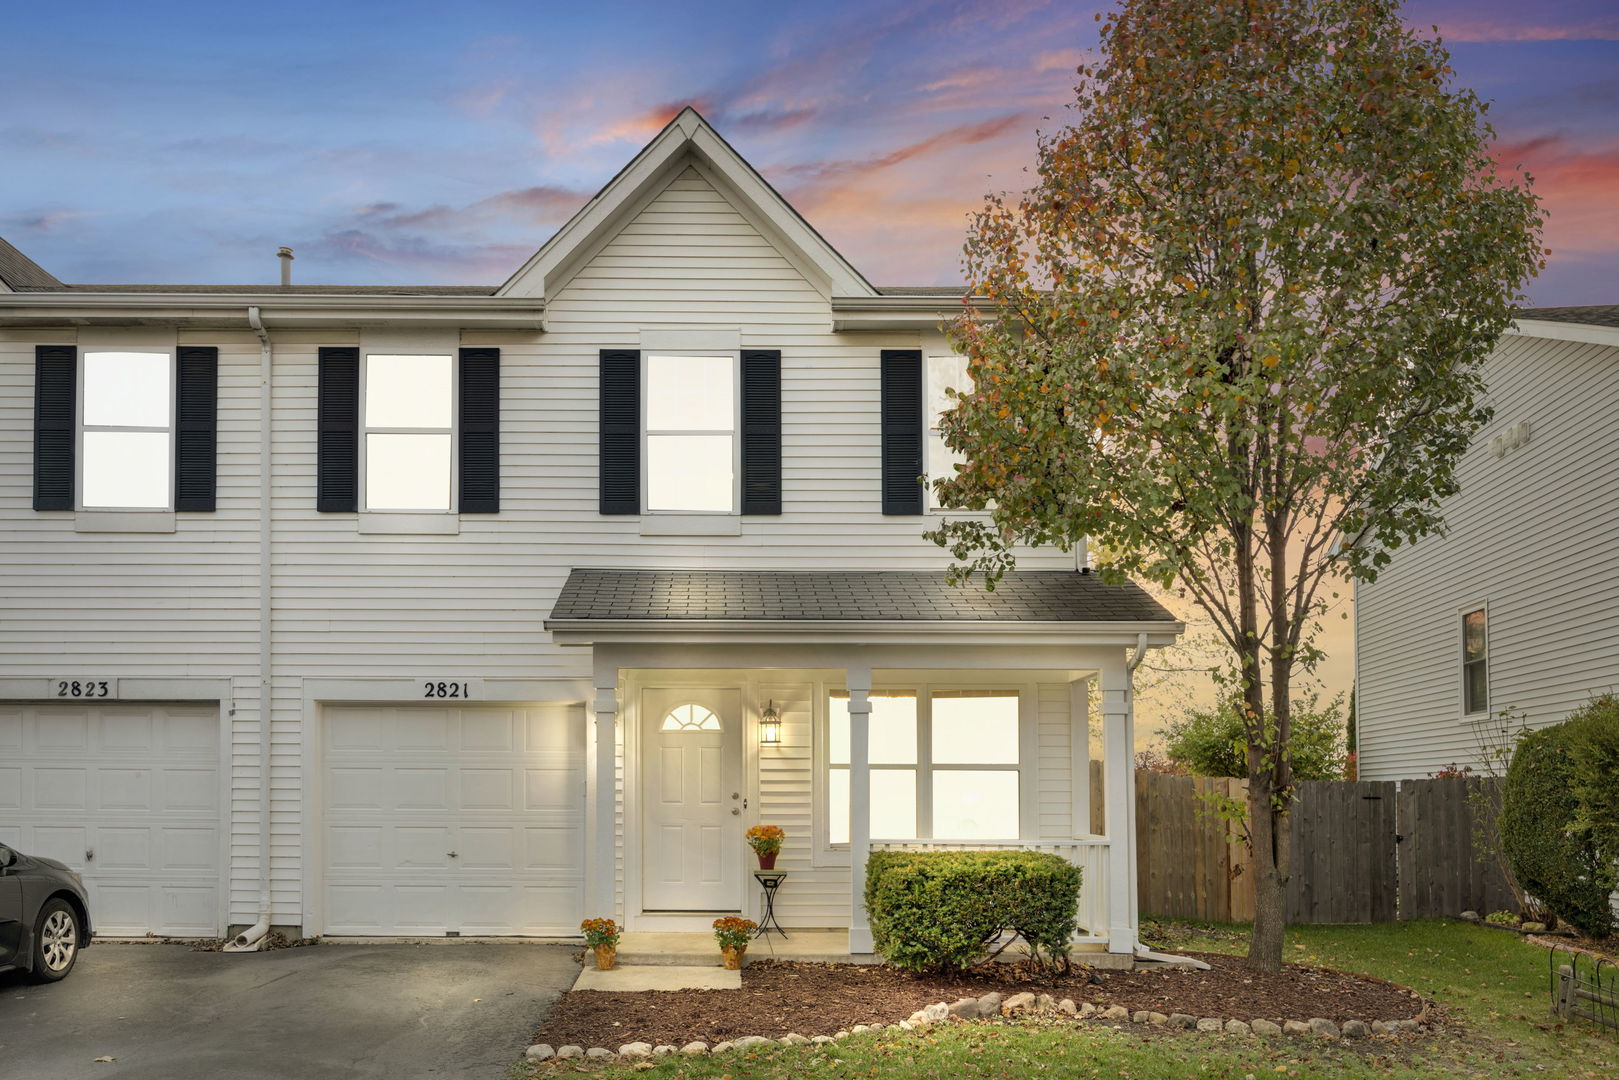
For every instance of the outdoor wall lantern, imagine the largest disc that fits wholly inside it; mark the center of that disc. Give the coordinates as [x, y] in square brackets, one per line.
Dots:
[770, 725]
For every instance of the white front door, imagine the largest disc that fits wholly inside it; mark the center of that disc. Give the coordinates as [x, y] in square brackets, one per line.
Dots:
[691, 837]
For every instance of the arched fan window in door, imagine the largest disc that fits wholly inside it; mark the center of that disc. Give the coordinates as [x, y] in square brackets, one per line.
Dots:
[690, 717]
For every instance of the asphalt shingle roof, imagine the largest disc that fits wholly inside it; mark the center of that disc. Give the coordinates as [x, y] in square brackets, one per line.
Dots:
[18, 271]
[1592, 315]
[864, 596]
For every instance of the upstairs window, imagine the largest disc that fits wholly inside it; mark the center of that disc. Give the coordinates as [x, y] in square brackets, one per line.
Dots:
[944, 373]
[128, 431]
[691, 433]
[1475, 663]
[409, 421]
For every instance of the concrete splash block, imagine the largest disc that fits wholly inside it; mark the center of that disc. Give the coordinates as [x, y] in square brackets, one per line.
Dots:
[627, 980]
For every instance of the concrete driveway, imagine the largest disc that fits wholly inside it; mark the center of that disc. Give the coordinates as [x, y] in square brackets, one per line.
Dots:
[397, 1011]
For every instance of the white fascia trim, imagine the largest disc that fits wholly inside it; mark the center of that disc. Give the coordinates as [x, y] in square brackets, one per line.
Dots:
[826, 631]
[1565, 331]
[493, 312]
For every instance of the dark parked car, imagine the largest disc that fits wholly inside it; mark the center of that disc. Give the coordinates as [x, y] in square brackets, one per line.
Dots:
[44, 915]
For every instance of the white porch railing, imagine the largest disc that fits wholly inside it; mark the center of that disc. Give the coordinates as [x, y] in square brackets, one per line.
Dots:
[1089, 855]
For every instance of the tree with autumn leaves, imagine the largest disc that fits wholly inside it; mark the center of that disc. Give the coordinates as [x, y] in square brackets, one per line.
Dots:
[1233, 335]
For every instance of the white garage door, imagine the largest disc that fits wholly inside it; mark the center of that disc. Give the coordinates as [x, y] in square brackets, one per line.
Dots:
[465, 820]
[127, 795]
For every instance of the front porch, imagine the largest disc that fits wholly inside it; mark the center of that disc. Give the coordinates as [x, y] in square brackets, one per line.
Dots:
[638, 948]
[919, 730]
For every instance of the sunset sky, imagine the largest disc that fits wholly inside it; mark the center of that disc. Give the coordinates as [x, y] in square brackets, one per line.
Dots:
[441, 143]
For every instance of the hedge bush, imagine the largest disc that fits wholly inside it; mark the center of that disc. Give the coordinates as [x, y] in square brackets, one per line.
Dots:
[1546, 831]
[938, 911]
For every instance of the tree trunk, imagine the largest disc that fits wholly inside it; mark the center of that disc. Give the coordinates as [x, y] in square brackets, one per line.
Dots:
[1268, 833]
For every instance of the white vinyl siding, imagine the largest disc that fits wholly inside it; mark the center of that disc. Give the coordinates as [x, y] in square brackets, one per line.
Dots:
[365, 606]
[1532, 530]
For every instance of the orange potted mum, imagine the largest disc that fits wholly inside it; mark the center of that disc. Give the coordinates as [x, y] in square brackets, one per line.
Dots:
[601, 936]
[733, 934]
[765, 840]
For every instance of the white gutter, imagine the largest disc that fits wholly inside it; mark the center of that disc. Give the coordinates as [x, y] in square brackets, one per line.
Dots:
[253, 938]
[292, 309]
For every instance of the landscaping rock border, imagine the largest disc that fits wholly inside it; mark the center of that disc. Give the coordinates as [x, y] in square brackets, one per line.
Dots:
[992, 1006]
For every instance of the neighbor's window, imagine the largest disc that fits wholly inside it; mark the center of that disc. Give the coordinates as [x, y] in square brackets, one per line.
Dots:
[127, 423]
[947, 372]
[691, 433]
[408, 420]
[944, 765]
[1475, 663]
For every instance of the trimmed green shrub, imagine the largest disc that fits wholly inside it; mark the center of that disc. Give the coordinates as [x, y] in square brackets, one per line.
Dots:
[1596, 775]
[1555, 854]
[939, 910]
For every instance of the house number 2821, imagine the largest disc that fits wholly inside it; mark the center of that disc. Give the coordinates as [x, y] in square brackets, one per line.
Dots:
[439, 688]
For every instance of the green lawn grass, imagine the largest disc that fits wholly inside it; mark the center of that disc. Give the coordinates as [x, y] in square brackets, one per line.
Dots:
[1490, 983]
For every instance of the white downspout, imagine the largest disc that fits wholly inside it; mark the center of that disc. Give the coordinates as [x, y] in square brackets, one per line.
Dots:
[254, 937]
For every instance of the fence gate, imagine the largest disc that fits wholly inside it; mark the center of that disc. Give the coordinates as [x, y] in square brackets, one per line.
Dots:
[1343, 852]
[1441, 874]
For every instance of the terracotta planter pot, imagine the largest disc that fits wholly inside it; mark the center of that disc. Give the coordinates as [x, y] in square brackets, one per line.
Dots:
[767, 861]
[606, 957]
[733, 956]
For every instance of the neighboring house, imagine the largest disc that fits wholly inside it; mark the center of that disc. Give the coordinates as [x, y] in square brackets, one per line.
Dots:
[1515, 612]
[451, 610]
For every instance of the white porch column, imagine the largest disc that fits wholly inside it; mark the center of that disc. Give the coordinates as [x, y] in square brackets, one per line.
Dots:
[859, 683]
[1118, 740]
[600, 888]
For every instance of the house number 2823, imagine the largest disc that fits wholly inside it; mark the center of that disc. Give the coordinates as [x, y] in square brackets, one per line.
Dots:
[83, 688]
[441, 688]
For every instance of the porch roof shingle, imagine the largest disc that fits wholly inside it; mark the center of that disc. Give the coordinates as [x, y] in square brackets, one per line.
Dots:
[604, 595]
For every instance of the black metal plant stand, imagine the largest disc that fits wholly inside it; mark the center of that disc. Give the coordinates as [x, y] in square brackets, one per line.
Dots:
[769, 881]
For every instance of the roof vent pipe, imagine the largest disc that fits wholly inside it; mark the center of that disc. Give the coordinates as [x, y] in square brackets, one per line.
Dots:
[285, 255]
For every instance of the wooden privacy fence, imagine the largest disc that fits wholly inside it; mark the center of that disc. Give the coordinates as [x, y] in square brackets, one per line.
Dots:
[1363, 851]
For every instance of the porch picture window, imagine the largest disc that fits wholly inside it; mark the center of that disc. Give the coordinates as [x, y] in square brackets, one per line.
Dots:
[1475, 663]
[944, 765]
[128, 430]
[408, 424]
[691, 416]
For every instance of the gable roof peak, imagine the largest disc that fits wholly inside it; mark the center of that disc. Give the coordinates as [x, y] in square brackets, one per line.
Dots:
[686, 138]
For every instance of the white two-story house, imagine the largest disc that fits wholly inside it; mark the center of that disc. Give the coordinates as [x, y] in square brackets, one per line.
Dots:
[476, 611]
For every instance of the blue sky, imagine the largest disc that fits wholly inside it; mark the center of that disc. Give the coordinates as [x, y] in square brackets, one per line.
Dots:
[442, 143]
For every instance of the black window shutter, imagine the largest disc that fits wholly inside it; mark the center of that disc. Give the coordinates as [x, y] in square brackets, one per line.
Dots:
[196, 427]
[902, 431]
[480, 431]
[620, 465]
[55, 384]
[337, 436]
[761, 431]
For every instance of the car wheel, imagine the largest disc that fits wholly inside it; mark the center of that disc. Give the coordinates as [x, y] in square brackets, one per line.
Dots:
[56, 941]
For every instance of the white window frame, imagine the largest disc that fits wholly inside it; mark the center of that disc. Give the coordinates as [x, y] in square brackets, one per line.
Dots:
[80, 427]
[828, 853]
[454, 431]
[735, 432]
[1462, 662]
[933, 442]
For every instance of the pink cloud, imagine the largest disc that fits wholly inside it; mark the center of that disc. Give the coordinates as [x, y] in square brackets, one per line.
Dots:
[1576, 184]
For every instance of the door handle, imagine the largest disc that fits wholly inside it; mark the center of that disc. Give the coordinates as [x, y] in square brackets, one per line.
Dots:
[89, 854]
[452, 855]
[735, 811]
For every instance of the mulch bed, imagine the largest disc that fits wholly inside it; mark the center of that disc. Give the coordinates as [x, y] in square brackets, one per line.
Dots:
[779, 997]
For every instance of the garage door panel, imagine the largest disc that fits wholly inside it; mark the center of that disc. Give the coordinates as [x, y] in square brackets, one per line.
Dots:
[61, 789]
[486, 789]
[189, 790]
[422, 788]
[123, 789]
[502, 787]
[488, 730]
[105, 779]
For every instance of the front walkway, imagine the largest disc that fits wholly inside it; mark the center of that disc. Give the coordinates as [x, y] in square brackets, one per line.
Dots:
[354, 1011]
